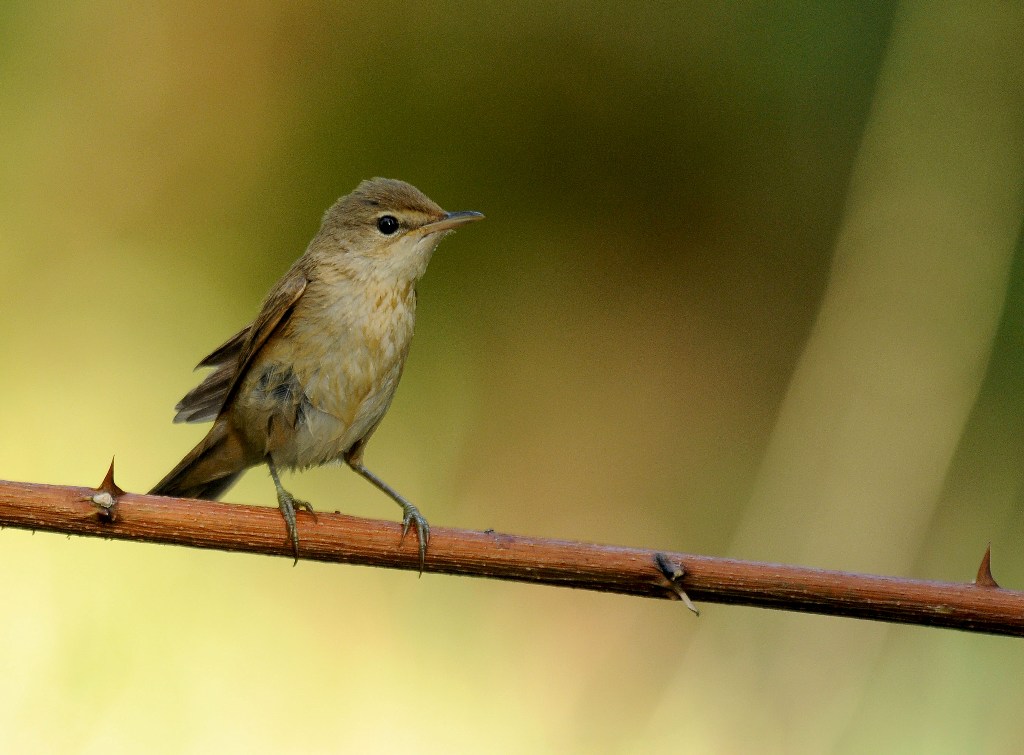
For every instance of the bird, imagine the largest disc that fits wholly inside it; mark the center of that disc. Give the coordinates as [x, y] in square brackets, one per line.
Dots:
[309, 380]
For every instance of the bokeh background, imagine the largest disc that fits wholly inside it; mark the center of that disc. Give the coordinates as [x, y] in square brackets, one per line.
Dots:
[750, 285]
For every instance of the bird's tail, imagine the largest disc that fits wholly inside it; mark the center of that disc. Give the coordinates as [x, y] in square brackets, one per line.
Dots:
[209, 469]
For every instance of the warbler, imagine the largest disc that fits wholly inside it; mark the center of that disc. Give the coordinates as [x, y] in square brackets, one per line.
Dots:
[310, 379]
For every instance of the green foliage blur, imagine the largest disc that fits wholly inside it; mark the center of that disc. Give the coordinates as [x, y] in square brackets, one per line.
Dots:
[605, 358]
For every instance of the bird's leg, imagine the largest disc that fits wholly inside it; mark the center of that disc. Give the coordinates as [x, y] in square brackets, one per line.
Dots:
[411, 514]
[288, 503]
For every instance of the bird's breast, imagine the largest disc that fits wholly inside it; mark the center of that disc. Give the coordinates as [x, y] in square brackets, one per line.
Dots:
[341, 358]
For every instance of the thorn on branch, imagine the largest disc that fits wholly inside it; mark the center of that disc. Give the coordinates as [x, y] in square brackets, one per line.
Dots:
[106, 497]
[985, 578]
[673, 574]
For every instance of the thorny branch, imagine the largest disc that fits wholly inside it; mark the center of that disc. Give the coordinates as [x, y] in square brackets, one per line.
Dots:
[981, 606]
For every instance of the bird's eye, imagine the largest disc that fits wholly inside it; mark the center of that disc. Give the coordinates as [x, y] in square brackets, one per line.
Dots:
[387, 224]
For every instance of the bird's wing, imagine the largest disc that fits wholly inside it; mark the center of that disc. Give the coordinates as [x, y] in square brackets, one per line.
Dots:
[233, 357]
[227, 351]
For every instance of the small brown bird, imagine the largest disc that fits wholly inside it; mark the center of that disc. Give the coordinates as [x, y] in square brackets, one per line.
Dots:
[310, 379]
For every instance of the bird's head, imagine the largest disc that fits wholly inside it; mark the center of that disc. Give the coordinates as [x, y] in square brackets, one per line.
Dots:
[387, 230]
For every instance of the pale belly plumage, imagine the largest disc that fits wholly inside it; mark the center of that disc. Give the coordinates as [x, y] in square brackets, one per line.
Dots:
[327, 382]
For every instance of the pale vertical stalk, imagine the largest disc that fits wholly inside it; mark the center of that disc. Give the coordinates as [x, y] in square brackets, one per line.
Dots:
[884, 387]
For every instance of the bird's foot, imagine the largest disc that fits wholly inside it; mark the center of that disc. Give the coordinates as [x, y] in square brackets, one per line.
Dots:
[288, 504]
[414, 517]
[305, 506]
[411, 514]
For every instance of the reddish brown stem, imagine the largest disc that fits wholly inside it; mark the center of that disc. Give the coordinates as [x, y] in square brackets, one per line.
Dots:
[631, 571]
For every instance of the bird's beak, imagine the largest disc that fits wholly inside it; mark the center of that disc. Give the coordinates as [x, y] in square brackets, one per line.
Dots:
[451, 221]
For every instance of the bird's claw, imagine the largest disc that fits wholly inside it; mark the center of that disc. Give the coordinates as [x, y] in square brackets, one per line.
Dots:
[413, 516]
[305, 506]
[288, 504]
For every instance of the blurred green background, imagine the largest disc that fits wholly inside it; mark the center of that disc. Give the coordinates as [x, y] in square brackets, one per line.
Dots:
[749, 285]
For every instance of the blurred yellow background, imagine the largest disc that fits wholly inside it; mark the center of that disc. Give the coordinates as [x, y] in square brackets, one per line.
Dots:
[750, 285]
